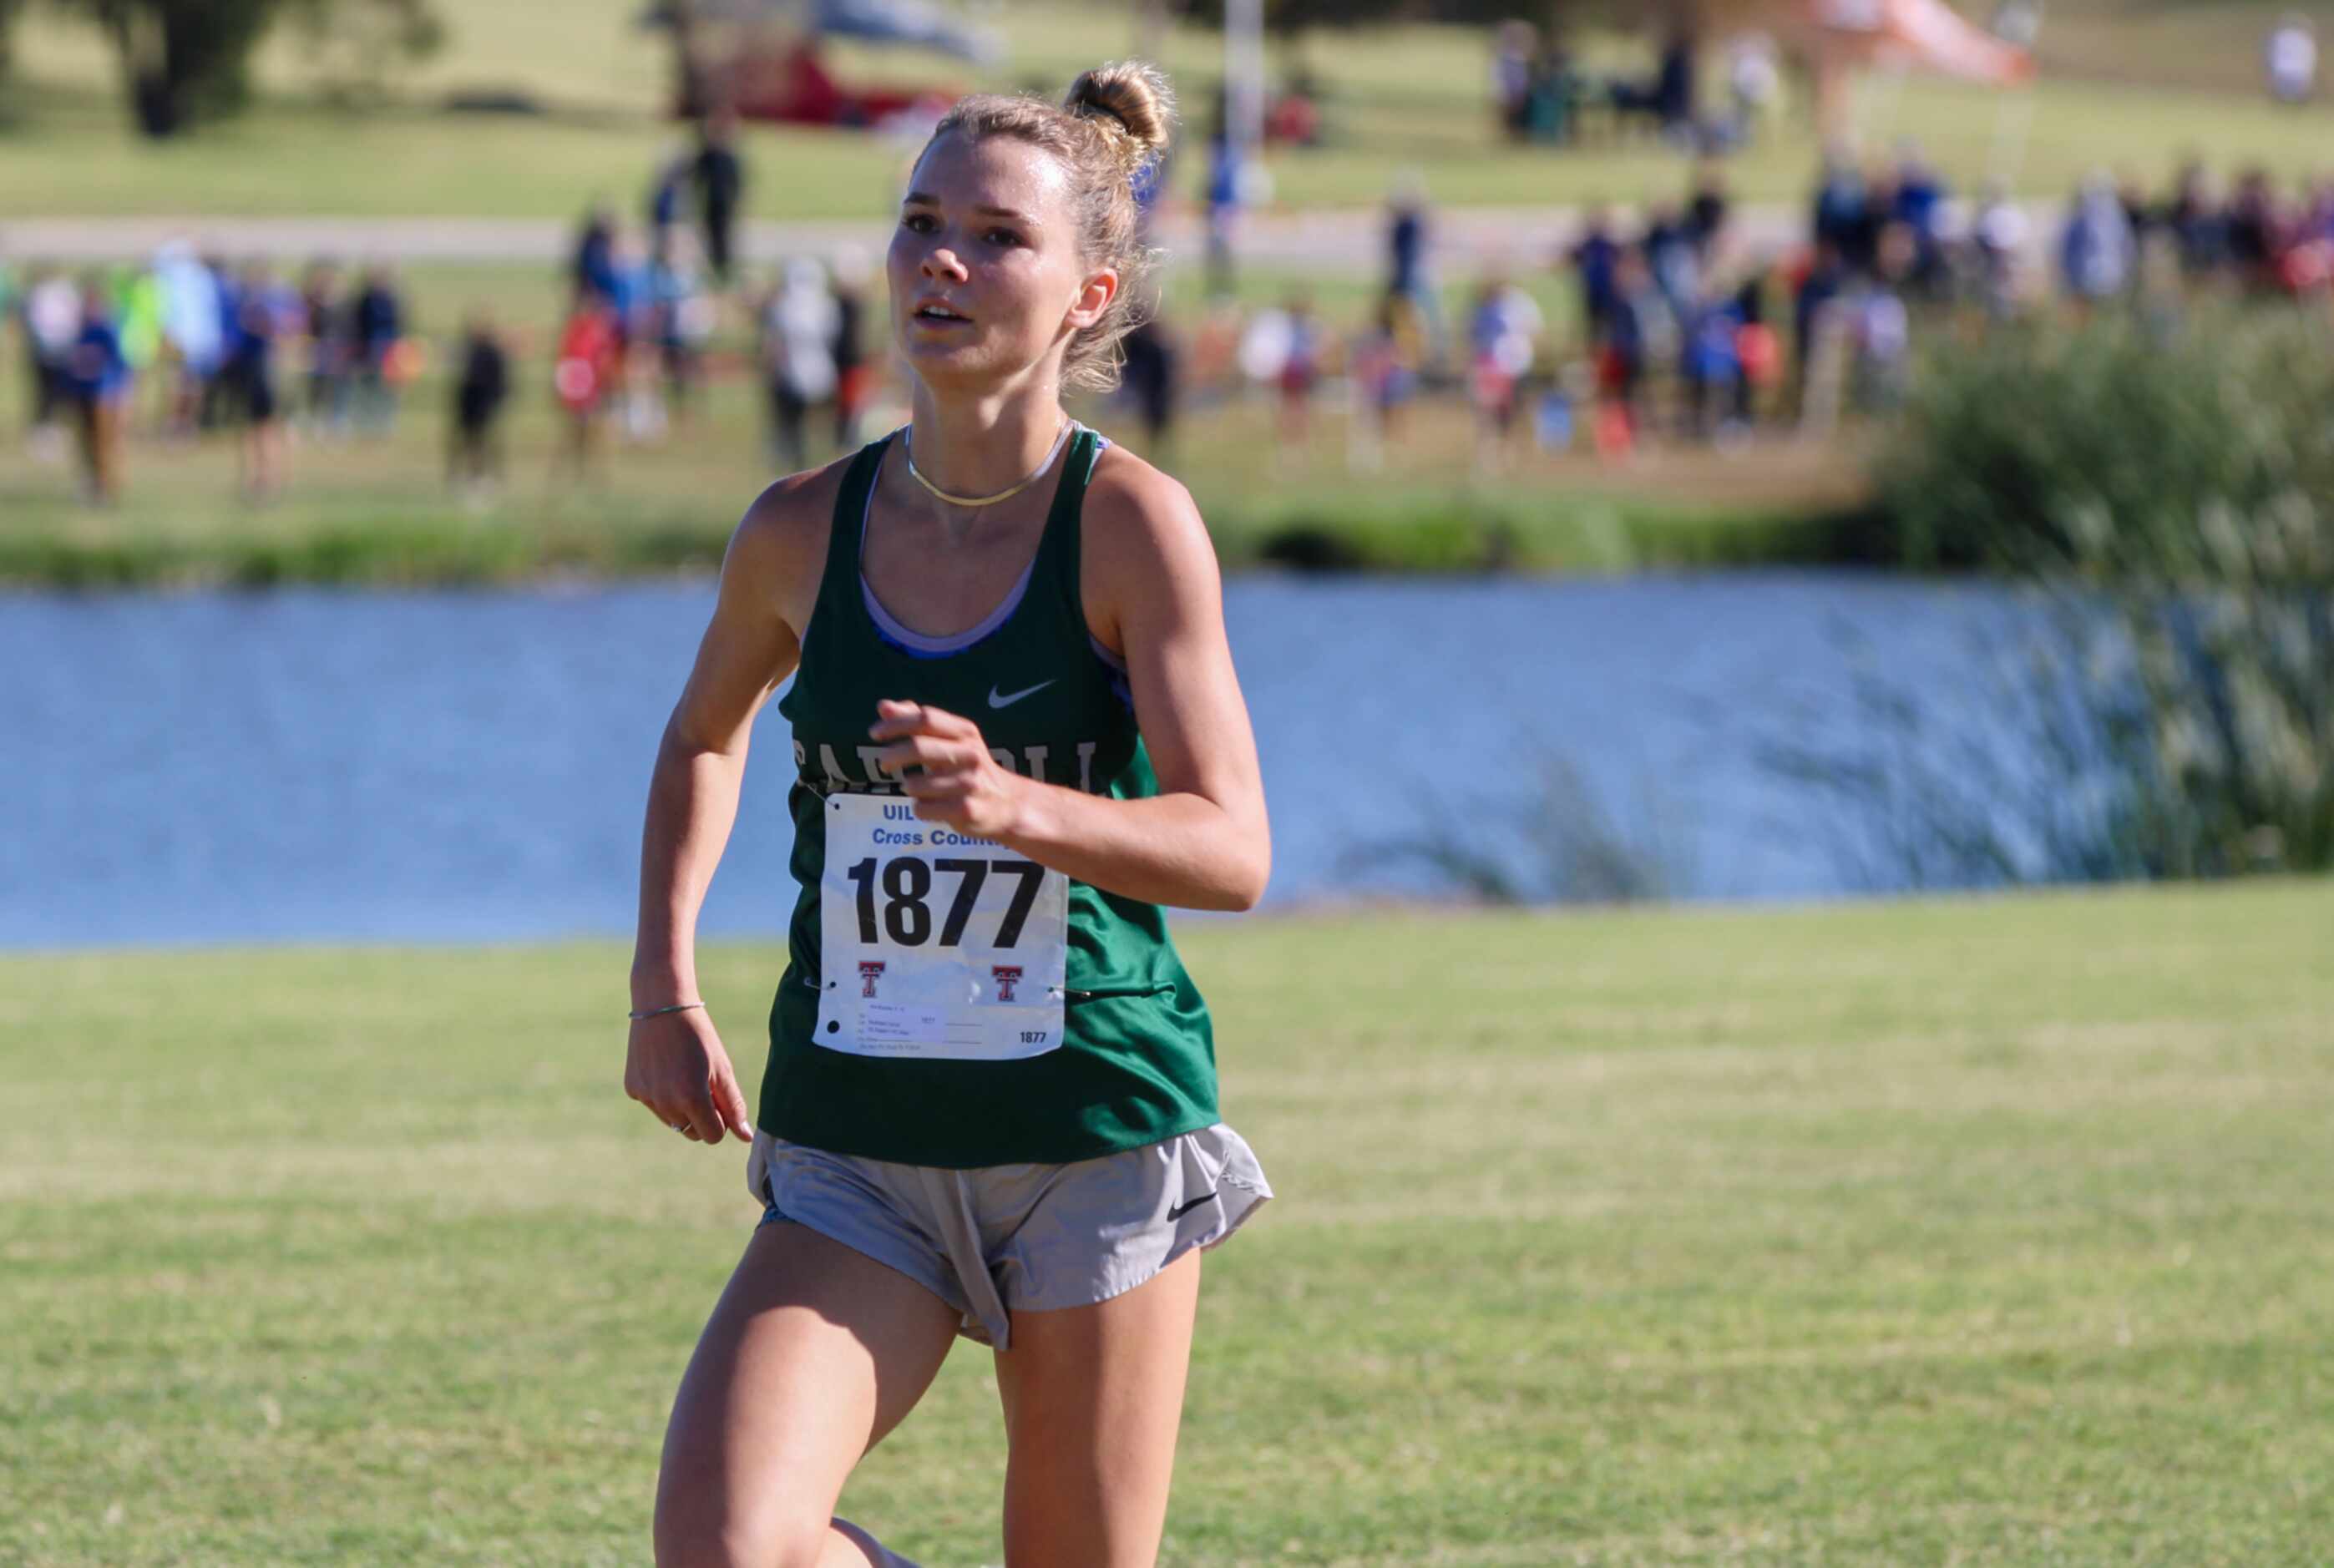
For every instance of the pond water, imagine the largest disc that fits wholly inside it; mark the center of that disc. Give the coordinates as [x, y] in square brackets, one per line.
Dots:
[466, 766]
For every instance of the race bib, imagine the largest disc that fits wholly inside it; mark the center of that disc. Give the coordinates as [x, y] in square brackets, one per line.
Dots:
[935, 945]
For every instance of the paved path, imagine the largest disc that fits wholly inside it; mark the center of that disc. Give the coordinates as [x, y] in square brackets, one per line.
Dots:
[1343, 242]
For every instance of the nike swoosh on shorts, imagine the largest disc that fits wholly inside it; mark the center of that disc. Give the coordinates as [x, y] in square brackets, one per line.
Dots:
[1010, 698]
[1181, 1210]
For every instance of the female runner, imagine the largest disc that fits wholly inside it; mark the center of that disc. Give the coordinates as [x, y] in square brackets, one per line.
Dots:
[990, 1102]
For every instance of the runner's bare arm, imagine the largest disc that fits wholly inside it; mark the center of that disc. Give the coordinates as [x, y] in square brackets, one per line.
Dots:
[676, 1064]
[1153, 591]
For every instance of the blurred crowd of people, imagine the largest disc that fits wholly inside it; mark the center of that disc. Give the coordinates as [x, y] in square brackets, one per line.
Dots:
[1540, 92]
[1691, 330]
[188, 346]
[633, 347]
[1690, 325]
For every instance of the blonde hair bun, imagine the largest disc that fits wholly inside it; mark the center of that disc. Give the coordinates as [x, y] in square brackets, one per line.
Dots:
[1130, 102]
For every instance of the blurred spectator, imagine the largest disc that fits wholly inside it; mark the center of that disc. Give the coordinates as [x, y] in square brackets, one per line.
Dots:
[799, 322]
[1385, 368]
[1711, 365]
[1843, 217]
[218, 390]
[1629, 345]
[683, 317]
[1999, 237]
[263, 315]
[1673, 258]
[667, 190]
[376, 328]
[51, 318]
[720, 185]
[632, 393]
[481, 387]
[1409, 241]
[854, 378]
[2197, 225]
[2290, 60]
[1706, 212]
[1668, 98]
[1596, 257]
[1503, 335]
[1758, 352]
[1150, 381]
[192, 333]
[584, 377]
[97, 381]
[1880, 326]
[2138, 211]
[1754, 82]
[594, 267]
[327, 321]
[2308, 264]
[2095, 252]
[625, 287]
[1673, 83]
[1263, 351]
[138, 316]
[1552, 102]
[1514, 45]
[1920, 201]
[1300, 372]
[2253, 229]
[1293, 120]
[1812, 314]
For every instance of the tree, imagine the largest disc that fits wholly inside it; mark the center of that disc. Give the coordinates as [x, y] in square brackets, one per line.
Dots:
[184, 60]
[181, 60]
[8, 12]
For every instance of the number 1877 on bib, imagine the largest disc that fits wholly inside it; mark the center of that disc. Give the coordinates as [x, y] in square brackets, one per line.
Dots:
[933, 944]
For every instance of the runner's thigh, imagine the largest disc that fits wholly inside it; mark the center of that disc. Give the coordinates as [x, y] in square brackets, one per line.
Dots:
[1093, 1396]
[813, 1353]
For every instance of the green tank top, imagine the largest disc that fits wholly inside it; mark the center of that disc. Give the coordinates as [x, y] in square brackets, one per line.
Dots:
[1137, 1059]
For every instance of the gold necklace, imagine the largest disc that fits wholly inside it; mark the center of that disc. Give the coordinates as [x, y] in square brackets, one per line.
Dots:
[908, 445]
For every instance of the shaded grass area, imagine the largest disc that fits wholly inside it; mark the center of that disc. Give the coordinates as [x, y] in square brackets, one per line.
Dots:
[2183, 77]
[359, 510]
[1982, 1231]
[445, 548]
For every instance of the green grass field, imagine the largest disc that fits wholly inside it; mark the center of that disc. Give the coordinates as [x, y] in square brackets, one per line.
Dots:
[1977, 1232]
[2125, 84]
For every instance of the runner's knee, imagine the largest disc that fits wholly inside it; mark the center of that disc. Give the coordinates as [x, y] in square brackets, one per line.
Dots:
[712, 1532]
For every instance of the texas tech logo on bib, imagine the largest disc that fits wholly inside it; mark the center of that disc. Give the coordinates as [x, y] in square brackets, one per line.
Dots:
[969, 940]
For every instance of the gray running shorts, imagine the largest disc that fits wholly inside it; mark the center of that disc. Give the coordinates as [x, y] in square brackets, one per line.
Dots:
[1005, 1238]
